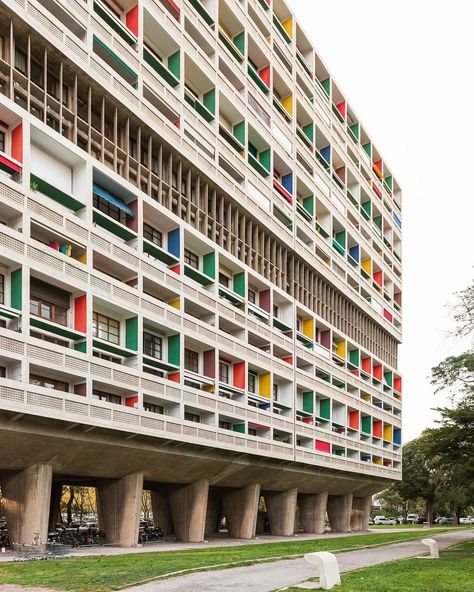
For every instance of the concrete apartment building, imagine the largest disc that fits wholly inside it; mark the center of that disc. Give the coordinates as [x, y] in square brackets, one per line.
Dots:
[200, 272]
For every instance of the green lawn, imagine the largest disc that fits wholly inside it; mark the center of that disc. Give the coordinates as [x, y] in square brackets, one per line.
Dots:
[102, 574]
[453, 572]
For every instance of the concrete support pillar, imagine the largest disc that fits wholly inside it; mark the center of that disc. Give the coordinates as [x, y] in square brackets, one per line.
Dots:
[188, 508]
[312, 508]
[213, 511]
[339, 512]
[160, 506]
[26, 501]
[240, 510]
[360, 513]
[281, 508]
[120, 506]
[55, 506]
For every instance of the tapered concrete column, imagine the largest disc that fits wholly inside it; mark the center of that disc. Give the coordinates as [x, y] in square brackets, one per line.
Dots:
[240, 510]
[55, 506]
[120, 506]
[160, 506]
[339, 512]
[188, 508]
[213, 511]
[281, 508]
[26, 501]
[361, 513]
[313, 511]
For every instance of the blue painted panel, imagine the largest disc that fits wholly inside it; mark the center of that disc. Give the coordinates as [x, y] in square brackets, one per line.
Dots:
[354, 252]
[173, 242]
[287, 182]
[326, 154]
[397, 436]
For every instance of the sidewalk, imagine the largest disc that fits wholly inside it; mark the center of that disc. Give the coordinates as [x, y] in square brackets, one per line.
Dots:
[266, 577]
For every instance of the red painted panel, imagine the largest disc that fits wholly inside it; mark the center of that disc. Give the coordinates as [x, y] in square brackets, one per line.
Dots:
[210, 363]
[398, 298]
[377, 372]
[282, 191]
[133, 283]
[367, 365]
[175, 377]
[387, 315]
[80, 313]
[176, 269]
[239, 375]
[308, 420]
[378, 278]
[265, 75]
[354, 419]
[341, 107]
[397, 384]
[288, 360]
[131, 20]
[322, 446]
[174, 7]
[12, 165]
[325, 339]
[265, 300]
[377, 428]
[377, 190]
[132, 223]
[341, 173]
[80, 389]
[387, 463]
[17, 143]
[132, 401]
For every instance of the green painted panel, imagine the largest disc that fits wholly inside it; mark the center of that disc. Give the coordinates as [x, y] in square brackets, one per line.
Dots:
[239, 284]
[112, 226]
[202, 11]
[308, 402]
[354, 357]
[239, 132]
[209, 100]
[341, 238]
[368, 148]
[367, 207]
[115, 57]
[389, 182]
[56, 329]
[308, 204]
[81, 347]
[264, 158]
[340, 452]
[367, 424]
[326, 84]
[174, 64]
[355, 129]
[174, 349]
[164, 72]
[209, 264]
[239, 427]
[16, 289]
[56, 194]
[378, 222]
[309, 131]
[325, 408]
[253, 151]
[131, 333]
[239, 42]
[389, 378]
[158, 253]
[114, 24]
[256, 78]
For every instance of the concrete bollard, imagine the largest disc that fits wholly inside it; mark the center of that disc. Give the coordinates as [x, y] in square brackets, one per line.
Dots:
[433, 547]
[328, 568]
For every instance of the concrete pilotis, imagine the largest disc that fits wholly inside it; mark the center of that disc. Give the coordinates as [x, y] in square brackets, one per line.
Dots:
[281, 509]
[161, 510]
[312, 509]
[119, 507]
[240, 510]
[361, 513]
[339, 512]
[213, 512]
[26, 502]
[188, 508]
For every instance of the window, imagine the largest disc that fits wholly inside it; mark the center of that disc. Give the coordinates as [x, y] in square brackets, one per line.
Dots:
[152, 408]
[110, 209]
[152, 346]
[3, 372]
[108, 357]
[224, 280]
[224, 372]
[152, 234]
[192, 417]
[191, 360]
[44, 309]
[107, 397]
[51, 383]
[36, 73]
[252, 383]
[2, 289]
[2, 141]
[275, 392]
[49, 338]
[225, 425]
[252, 296]
[105, 328]
[20, 60]
[53, 86]
[299, 324]
[191, 259]
[252, 432]
[275, 311]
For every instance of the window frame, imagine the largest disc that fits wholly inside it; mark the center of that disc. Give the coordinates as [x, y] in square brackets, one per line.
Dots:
[191, 357]
[191, 259]
[156, 340]
[96, 331]
[150, 233]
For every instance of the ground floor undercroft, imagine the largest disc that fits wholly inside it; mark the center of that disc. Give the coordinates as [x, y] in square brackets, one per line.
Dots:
[192, 488]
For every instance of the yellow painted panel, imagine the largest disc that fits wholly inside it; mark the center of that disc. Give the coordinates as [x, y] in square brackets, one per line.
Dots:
[366, 398]
[287, 103]
[82, 258]
[209, 388]
[175, 303]
[367, 266]
[288, 26]
[308, 328]
[341, 349]
[388, 432]
[377, 460]
[377, 171]
[264, 385]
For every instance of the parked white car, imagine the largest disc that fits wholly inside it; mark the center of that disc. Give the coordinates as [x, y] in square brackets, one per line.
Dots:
[412, 518]
[468, 520]
[384, 520]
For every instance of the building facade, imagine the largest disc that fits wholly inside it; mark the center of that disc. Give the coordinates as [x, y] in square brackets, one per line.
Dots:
[200, 272]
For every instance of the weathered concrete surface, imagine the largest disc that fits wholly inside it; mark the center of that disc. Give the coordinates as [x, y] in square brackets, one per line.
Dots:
[360, 513]
[188, 508]
[339, 512]
[313, 511]
[281, 508]
[240, 510]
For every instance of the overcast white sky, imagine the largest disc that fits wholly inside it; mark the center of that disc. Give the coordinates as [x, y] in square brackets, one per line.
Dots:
[406, 68]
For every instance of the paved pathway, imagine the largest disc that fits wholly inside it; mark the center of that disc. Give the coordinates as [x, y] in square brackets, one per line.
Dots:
[265, 577]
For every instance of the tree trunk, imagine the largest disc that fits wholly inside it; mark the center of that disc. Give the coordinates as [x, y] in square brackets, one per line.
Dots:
[429, 512]
[69, 505]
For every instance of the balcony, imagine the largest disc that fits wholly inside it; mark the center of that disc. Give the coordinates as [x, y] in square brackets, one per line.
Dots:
[160, 51]
[124, 30]
[203, 10]
[112, 213]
